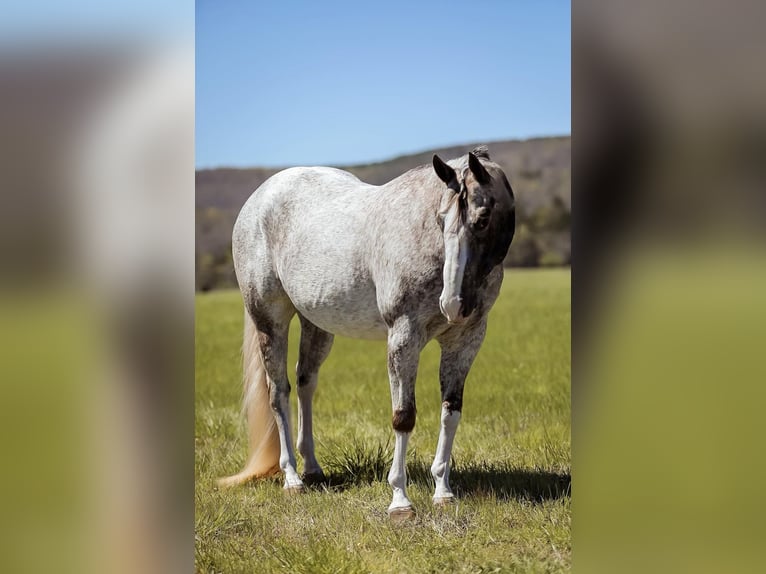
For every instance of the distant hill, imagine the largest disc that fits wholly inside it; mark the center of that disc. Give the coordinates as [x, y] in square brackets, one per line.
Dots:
[539, 171]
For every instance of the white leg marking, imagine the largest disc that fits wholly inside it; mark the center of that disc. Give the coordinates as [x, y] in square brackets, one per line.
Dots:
[287, 456]
[397, 477]
[440, 467]
[305, 429]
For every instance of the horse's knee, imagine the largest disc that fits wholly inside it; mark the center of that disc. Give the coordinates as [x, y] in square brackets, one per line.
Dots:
[452, 404]
[404, 419]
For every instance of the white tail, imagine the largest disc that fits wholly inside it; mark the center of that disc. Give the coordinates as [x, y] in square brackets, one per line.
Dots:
[263, 458]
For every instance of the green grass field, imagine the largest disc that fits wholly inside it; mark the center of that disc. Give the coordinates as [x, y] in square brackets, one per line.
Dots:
[511, 460]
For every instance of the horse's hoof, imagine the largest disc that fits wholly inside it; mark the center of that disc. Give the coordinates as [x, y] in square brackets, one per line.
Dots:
[293, 490]
[313, 478]
[444, 501]
[399, 515]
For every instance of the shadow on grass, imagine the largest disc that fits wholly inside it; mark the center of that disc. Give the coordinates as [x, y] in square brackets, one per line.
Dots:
[505, 483]
[358, 464]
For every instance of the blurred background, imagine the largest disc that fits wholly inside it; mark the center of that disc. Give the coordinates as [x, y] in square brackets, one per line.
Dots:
[669, 297]
[96, 288]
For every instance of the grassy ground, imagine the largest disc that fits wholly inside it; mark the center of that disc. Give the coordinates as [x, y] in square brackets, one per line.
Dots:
[511, 460]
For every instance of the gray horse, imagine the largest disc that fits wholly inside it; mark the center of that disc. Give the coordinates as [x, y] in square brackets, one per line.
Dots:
[409, 261]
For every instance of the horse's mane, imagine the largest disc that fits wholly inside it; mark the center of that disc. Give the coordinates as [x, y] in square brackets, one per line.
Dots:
[461, 162]
[480, 151]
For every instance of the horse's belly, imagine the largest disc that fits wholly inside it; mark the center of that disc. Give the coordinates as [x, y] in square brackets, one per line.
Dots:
[346, 310]
[347, 324]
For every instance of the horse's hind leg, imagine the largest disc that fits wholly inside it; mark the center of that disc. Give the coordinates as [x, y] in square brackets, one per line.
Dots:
[458, 353]
[315, 346]
[273, 326]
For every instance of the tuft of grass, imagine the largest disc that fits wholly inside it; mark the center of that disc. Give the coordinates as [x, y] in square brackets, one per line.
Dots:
[358, 463]
[510, 468]
[316, 558]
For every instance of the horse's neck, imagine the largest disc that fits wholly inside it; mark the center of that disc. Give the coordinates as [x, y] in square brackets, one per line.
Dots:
[404, 223]
[417, 188]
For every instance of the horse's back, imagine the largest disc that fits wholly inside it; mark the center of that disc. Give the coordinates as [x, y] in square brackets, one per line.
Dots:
[303, 233]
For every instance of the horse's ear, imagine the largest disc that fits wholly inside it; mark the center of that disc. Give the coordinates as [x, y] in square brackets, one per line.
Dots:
[445, 172]
[479, 171]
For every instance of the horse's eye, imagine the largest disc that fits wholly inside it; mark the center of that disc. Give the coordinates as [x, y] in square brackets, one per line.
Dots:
[492, 202]
[482, 218]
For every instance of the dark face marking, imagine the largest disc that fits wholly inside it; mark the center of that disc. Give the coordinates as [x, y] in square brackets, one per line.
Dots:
[487, 216]
[404, 419]
[488, 213]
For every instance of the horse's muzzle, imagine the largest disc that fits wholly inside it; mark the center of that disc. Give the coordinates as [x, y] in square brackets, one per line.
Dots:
[451, 308]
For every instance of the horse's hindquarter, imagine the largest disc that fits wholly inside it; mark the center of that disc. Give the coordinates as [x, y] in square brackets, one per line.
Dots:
[321, 248]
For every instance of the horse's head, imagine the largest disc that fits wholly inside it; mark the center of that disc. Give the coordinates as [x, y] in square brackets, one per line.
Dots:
[477, 216]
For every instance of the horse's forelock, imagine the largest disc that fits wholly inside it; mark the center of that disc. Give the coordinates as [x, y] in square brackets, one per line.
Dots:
[481, 151]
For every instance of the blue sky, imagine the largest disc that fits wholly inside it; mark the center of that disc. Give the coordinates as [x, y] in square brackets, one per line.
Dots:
[285, 83]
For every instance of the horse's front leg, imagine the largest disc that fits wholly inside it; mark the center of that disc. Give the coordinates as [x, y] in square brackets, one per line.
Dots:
[405, 341]
[459, 349]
